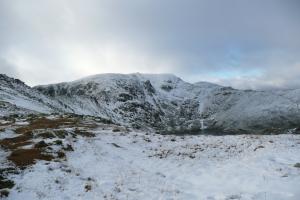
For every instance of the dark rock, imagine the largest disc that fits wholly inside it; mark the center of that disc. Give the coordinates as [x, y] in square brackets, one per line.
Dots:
[297, 165]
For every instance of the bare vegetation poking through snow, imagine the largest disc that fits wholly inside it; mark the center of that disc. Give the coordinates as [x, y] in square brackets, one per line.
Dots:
[76, 157]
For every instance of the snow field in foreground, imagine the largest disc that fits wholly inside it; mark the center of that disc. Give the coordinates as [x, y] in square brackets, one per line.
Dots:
[150, 166]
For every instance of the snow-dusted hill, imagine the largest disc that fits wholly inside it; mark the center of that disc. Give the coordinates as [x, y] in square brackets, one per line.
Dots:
[160, 101]
[18, 98]
[166, 102]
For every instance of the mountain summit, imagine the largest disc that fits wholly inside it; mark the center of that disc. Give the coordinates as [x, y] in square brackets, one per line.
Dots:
[160, 101]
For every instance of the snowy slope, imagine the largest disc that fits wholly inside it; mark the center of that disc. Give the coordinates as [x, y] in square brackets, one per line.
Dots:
[233, 109]
[18, 98]
[166, 102]
[138, 166]
[160, 101]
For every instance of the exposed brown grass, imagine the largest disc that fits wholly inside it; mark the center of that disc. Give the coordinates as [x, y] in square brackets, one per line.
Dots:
[25, 157]
[44, 123]
[45, 135]
[26, 132]
[14, 143]
[84, 133]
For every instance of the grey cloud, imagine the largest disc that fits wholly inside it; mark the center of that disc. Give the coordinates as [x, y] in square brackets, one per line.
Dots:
[195, 38]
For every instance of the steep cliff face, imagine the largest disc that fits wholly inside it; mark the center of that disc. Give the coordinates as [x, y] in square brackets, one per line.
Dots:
[141, 100]
[166, 102]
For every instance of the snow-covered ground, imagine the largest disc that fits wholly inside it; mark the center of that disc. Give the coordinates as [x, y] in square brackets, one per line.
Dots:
[139, 165]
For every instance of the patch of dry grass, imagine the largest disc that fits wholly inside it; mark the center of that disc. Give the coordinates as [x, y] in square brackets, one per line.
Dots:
[25, 157]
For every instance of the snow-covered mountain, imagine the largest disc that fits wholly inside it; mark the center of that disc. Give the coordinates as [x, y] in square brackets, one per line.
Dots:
[138, 99]
[166, 102]
[160, 101]
[18, 98]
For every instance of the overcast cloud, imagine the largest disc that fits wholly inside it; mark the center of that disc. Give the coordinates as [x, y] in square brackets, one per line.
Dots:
[241, 43]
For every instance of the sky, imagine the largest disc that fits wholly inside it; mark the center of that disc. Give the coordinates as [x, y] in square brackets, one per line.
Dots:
[246, 44]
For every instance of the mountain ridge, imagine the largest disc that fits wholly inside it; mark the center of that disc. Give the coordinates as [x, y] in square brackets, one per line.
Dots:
[164, 102]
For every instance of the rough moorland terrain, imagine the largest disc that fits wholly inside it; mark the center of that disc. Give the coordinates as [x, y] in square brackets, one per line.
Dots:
[83, 157]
